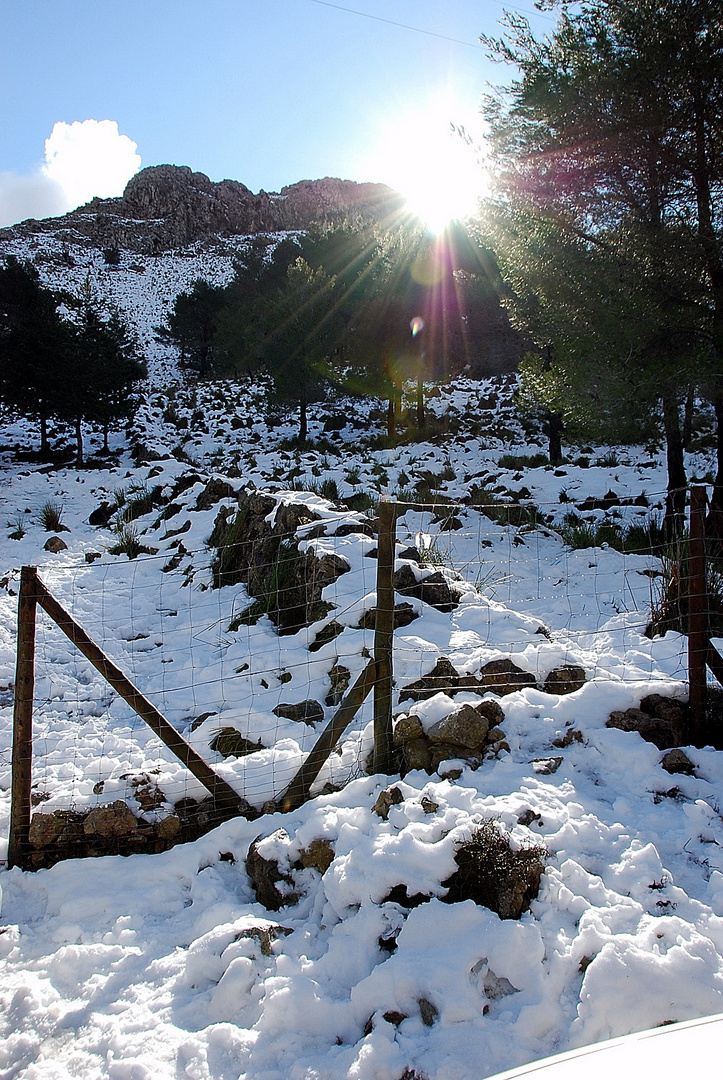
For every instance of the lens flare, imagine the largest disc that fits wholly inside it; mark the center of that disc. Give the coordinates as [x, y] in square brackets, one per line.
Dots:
[416, 325]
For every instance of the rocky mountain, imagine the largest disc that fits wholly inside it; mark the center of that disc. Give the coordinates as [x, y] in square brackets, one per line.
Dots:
[170, 206]
[180, 226]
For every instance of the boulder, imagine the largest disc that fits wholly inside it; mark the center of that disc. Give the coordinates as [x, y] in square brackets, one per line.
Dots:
[308, 712]
[404, 614]
[265, 876]
[443, 678]
[215, 490]
[432, 589]
[565, 680]
[677, 761]
[416, 754]
[492, 712]
[229, 742]
[406, 729]
[662, 733]
[319, 854]
[465, 728]
[502, 677]
[54, 544]
[339, 678]
[386, 799]
[114, 820]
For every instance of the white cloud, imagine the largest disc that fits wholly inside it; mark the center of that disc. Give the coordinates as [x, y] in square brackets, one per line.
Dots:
[35, 196]
[90, 158]
[82, 160]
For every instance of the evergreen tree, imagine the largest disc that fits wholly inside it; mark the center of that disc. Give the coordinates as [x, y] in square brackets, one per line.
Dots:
[607, 146]
[35, 345]
[104, 367]
[192, 326]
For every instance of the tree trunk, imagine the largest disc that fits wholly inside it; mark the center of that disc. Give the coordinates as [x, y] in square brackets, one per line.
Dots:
[714, 523]
[106, 448]
[303, 422]
[674, 520]
[420, 402]
[44, 444]
[555, 429]
[79, 441]
[391, 418]
[688, 418]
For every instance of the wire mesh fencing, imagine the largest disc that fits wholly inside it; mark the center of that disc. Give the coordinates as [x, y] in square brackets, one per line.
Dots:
[250, 643]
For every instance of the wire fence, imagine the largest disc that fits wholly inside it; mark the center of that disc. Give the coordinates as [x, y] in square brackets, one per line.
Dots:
[248, 645]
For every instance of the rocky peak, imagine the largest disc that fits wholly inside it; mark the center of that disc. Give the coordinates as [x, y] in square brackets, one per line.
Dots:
[170, 206]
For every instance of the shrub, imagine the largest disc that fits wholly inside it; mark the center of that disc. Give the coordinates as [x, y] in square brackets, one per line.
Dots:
[608, 460]
[50, 515]
[143, 500]
[18, 528]
[361, 501]
[515, 462]
[491, 873]
[503, 512]
[129, 544]
[670, 606]
[329, 490]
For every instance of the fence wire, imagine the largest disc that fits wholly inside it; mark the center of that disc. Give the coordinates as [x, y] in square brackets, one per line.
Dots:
[248, 647]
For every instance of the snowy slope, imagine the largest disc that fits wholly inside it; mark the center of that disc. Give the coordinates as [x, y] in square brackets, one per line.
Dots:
[167, 965]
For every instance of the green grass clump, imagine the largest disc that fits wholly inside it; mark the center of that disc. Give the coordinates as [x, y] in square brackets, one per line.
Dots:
[128, 543]
[515, 462]
[50, 515]
[636, 539]
[503, 512]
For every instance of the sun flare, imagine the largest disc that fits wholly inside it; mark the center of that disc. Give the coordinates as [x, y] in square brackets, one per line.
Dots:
[434, 167]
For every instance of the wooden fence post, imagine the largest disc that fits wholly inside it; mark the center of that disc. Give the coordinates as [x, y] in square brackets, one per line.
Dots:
[22, 755]
[698, 616]
[298, 790]
[382, 759]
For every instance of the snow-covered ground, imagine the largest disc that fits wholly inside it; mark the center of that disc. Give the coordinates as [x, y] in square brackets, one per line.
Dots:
[167, 965]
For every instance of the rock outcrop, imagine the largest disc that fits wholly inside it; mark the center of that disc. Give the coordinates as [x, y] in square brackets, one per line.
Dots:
[170, 206]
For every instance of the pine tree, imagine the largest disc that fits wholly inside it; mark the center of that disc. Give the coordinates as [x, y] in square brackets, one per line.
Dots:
[35, 345]
[606, 148]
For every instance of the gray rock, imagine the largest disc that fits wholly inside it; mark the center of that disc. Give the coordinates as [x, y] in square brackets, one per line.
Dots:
[546, 766]
[565, 680]
[214, 491]
[416, 755]
[677, 761]
[54, 544]
[319, 854]
[502, 677]
[265, 876]
[386, 799]
[308, 712]
[113, 820]
[406, 729]
[442, 678]
[465, 728]
[339, 678]
[491, 711]
[662, 733]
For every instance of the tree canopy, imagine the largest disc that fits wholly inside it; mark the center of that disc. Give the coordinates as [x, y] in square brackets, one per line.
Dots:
[607, 217]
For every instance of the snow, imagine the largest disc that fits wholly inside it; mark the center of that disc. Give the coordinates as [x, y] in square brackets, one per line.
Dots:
[155, 965]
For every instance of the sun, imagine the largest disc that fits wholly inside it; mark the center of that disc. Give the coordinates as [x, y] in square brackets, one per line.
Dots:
[433, 166]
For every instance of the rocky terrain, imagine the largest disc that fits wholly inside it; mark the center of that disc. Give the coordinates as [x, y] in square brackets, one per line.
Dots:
[170, 206]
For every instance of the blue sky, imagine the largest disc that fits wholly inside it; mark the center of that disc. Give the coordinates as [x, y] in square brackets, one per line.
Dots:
[267, 92]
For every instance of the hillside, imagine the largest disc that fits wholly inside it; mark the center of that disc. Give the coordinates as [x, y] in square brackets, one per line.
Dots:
[172, 963]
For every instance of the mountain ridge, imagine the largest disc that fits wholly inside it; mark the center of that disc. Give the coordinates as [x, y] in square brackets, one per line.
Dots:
[169, 206]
